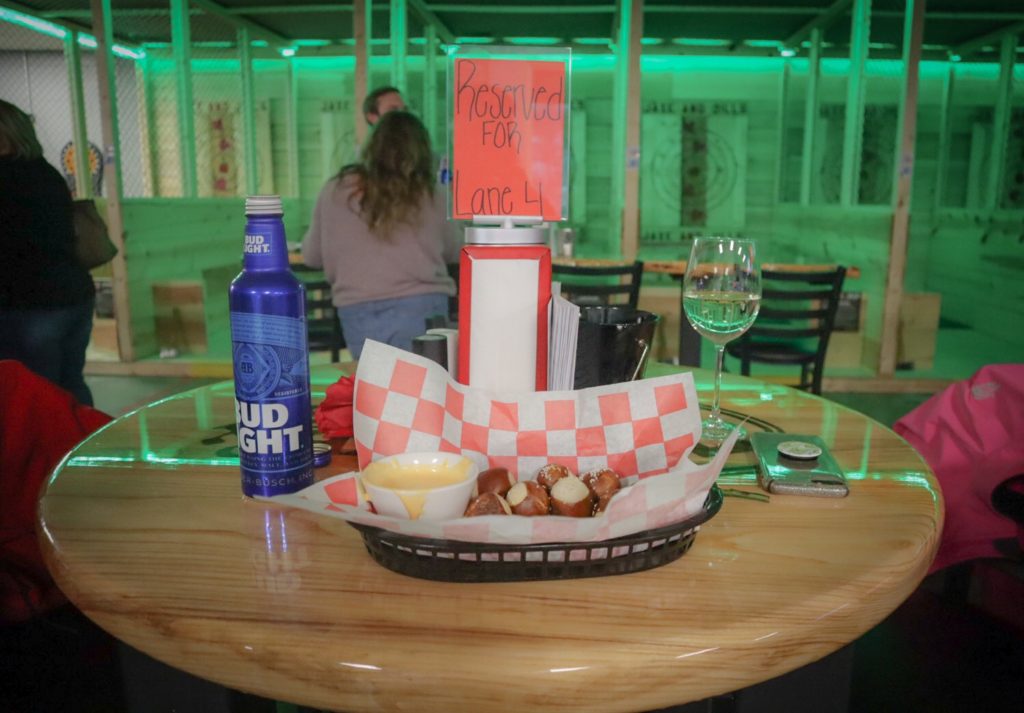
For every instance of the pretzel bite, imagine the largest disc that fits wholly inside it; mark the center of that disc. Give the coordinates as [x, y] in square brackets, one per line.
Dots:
[570, 497]
[528, 498]
[487, 504]
[494, 480]
[602, 482]
[551, 474]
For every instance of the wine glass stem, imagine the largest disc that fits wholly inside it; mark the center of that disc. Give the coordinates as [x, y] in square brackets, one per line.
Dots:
[719, 363]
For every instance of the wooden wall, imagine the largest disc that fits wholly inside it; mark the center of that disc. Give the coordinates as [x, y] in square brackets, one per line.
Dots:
[186, 242]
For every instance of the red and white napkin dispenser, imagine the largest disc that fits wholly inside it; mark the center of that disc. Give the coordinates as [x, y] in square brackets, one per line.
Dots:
[504, 292]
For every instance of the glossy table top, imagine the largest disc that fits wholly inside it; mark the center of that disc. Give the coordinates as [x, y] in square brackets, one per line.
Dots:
[144, 527]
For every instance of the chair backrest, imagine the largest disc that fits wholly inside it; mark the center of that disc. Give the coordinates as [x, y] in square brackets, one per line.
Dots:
[322, 325]
[592, 284]
[798, 312]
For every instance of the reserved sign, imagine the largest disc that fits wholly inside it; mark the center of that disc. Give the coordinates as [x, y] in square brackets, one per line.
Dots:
[508, 138]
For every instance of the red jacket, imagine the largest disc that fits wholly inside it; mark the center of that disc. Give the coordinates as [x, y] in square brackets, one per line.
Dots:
[39, 424]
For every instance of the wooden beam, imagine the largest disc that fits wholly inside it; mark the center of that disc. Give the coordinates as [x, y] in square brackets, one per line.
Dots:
[430, 87]
[945, 131]
[291, 103]
[626, 124]
[913, 32]
[107, 79]
[181, 39]
[860, 33]
[252, 178]
[821, 22]
[147, 120]
[361, 33]
[399, 43]
[810, 117]
[73, 60]
[1001, 123]
[255, 29]
[780, 139]
[989, 38]
[429, 19]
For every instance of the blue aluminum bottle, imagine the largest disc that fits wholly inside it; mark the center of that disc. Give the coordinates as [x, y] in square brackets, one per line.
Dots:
[271, 359]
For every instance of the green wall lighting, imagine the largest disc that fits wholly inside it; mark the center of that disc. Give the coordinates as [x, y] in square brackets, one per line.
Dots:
[699, 42]
[533, 40]
[311, 43]
[761, 43]
[51, 30]
[597, 41]
[474, 40]
[287, 51]
[787, 52]
[647, 41]
[954, 58]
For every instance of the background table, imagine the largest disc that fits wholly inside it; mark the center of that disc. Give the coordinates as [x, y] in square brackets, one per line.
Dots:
[144, 527]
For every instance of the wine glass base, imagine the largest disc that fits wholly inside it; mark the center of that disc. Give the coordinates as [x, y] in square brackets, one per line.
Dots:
[715, 430]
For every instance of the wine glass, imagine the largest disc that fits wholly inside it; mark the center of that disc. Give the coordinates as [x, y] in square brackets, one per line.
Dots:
[721, 297]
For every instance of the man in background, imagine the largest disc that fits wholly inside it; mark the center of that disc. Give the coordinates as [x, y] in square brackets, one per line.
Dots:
[381, 101]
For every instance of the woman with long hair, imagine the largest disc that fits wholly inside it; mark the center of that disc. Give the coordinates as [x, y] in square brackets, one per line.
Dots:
[380, 234]
[46, 296]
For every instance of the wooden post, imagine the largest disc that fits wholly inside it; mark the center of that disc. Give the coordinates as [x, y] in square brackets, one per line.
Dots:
[849, 191]
[780, 140]
[913, 31]
[252, 164]
[810, 117]
[73, 58]
[1001, 123]
[430, 86]
[626, 125]
[361, 35]
[291, 104]
[181, 38]
[151, 147]
[945, 129]
[102, 23]
[399, 43]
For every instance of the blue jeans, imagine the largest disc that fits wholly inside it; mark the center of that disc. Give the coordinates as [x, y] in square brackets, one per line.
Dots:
[50, 342]
[395, 321]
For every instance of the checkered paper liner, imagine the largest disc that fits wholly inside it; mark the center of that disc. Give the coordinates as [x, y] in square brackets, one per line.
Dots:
[643, 430]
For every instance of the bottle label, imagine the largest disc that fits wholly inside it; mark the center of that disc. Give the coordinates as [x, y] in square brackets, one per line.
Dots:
[272, 403]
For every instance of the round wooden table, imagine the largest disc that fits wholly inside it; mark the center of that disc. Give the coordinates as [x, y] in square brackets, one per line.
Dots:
[145, 528]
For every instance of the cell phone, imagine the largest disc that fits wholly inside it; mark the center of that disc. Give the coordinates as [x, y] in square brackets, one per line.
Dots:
[796, 464]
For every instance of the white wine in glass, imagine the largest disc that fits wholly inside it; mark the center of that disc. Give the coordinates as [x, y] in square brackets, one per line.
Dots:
[721, 298]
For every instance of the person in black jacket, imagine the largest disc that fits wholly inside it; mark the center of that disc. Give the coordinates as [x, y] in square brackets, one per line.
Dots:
[46, 296]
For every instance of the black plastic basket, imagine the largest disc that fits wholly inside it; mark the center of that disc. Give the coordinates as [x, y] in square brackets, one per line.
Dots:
[455, 561]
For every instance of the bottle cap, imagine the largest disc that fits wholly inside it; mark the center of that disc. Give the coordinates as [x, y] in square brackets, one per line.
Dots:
[433, 347]
[264, 205]
[321, 454]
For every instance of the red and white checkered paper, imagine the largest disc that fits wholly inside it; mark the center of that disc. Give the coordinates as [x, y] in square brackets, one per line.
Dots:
[643, 430]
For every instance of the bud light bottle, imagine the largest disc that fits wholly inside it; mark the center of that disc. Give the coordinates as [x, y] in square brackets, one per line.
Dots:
[271, 359]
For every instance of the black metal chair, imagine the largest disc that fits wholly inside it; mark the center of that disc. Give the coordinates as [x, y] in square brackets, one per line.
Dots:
[798, 311]
[322, 325]
[590, 284]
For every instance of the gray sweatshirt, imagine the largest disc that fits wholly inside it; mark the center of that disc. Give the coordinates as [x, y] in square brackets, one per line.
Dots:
[362, 267]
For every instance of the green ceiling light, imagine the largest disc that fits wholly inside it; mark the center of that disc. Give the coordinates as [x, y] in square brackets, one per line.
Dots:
[700, 42]
[651, 41]
[787, 52]
[51, 30]
[474, 40]
[533, 40]
[259, 43]
[288, 51]
[761, 43]
[954, 57]
[311, 43]
[597, 41]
